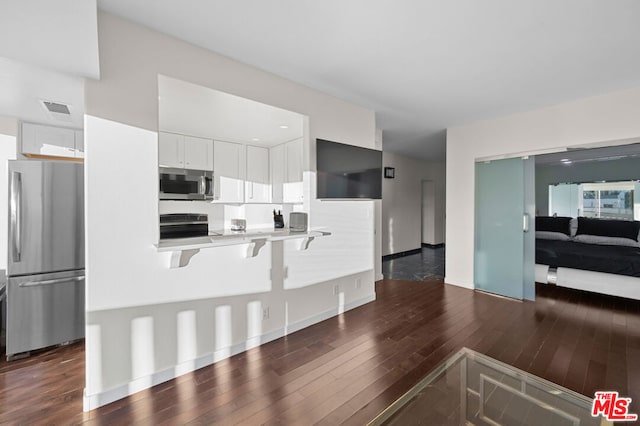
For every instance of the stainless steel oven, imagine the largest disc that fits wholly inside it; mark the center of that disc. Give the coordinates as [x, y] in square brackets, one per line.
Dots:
[183, 225]
[181, 184]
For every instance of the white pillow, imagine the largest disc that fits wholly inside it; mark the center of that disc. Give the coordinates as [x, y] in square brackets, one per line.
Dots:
[549, 235]
[608, 241]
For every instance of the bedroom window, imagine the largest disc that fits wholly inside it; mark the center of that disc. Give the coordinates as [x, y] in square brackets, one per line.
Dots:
[604, 200]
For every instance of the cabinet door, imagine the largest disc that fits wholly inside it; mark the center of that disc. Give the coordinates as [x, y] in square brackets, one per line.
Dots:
[228, 172]
[292, 192]
[277, 165]
[79, 143]
[47, 140]
[170, 150]
[198, 153]
[257, 187]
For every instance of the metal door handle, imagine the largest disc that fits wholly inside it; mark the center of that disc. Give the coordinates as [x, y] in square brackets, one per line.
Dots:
[16, 213]
[250, 190]
[49, 282]
[525, 222]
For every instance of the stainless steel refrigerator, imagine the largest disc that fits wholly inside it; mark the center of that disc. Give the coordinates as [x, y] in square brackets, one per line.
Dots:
[45, 268]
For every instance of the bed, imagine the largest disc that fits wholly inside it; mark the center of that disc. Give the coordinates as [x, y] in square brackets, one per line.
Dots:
[600, 255]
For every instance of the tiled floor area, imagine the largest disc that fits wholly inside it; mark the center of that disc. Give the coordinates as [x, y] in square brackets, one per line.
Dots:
[416, 267]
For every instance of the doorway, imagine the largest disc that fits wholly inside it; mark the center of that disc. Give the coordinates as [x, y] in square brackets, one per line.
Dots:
[428, 213]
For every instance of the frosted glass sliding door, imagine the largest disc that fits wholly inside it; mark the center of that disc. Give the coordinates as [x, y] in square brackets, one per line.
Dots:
[501, 211]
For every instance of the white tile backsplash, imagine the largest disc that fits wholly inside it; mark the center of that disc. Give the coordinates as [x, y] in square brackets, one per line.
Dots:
[220, 215]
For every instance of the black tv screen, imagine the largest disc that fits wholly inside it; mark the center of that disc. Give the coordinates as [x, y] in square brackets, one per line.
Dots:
[347, 171]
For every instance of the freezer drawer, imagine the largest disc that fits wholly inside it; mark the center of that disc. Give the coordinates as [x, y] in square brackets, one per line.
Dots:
[44, 310]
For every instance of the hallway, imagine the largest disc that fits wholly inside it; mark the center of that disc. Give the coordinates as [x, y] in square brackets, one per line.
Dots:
[427, 265]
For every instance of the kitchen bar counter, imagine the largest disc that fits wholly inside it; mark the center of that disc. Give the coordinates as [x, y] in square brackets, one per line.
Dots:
[183, 249]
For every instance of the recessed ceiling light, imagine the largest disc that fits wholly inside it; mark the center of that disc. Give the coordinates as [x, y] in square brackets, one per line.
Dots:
[255, 139]
[567, 162]
[284, 126]
[565, 159]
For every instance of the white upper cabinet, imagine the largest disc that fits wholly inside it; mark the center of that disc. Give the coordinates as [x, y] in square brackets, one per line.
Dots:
[293, 188]
[38, 139]
[228, 172]
[79, 143]
[198, 153]
[170, 150]
[286, 172]
[277, 165]
[258, 185]
[184, 152]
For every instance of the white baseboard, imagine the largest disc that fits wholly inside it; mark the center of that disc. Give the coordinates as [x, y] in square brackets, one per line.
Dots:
[91, 402]
[470, 286]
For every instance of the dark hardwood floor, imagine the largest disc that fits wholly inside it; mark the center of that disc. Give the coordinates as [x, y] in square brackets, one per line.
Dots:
[349, 368]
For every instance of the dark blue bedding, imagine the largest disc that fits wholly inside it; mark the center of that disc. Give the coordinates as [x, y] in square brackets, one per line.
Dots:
[621, 260]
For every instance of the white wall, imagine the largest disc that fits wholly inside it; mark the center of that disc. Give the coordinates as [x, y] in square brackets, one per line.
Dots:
[611, 117]
[402, 202]
[8, 126]
[378, 220]
[212, 308]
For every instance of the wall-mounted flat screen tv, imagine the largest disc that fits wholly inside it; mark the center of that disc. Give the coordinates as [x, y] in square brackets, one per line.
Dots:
[347, 171]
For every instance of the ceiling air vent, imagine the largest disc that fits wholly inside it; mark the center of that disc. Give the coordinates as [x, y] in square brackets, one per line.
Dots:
[57, 111]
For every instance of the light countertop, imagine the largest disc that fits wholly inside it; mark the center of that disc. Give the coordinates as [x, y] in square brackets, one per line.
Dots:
[227, 237]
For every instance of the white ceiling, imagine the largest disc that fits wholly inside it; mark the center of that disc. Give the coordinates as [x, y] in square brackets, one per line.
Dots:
[60, 35]
[47, 48]
[189, 109]
[23, 87]
[422, 65]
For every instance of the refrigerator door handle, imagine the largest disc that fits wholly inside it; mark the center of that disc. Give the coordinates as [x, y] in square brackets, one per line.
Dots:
[16, 214]
[49, 282]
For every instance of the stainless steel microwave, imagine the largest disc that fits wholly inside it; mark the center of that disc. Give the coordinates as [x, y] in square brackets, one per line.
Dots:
[181, 184]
